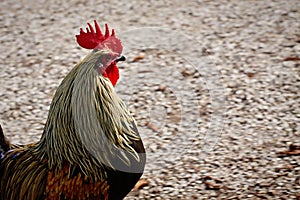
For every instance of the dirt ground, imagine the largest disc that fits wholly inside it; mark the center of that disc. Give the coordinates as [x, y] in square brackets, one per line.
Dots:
[213, 85]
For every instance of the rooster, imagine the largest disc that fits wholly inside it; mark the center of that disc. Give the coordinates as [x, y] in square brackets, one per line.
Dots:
[90, 147]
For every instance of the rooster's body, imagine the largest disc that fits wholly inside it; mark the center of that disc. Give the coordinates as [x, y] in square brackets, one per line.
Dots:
[90, 147]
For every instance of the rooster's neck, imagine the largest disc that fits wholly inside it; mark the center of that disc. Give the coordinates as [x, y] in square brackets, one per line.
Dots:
[88, 125]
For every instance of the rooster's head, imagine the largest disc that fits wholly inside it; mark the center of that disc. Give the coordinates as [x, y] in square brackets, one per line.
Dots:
[107, 46]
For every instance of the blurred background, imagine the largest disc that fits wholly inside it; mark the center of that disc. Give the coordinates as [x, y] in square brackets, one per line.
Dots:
[213, 85]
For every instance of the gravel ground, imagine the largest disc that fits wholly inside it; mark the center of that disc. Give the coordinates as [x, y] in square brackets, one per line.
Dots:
[214, 87]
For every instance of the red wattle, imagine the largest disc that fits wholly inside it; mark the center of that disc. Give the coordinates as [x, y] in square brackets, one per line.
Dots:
[112, 72]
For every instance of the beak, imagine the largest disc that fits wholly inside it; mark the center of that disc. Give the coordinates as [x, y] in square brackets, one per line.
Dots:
[121, 58]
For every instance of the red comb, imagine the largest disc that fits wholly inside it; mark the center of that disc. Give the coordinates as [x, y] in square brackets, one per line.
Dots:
[96, 40]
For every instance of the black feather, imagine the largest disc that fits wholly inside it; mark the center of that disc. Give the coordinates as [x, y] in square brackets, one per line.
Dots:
[4, 143]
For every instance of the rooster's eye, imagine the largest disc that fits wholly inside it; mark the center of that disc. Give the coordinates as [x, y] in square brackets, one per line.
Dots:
[107, 58]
